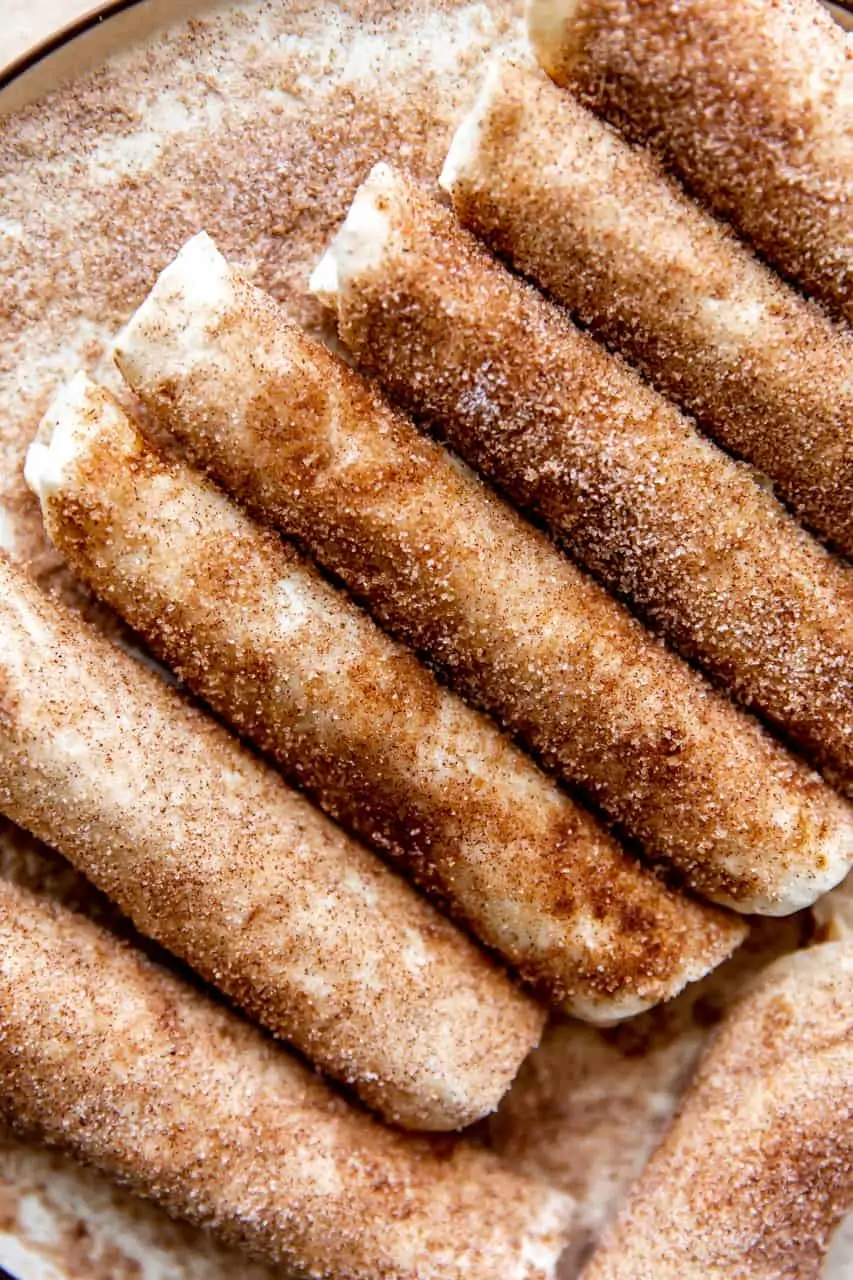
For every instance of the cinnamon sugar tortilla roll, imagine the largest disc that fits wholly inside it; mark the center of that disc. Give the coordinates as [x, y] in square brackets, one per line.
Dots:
[749, 100]
[210, 854]
[457, 573]
[122, 1064]
[589, 1106]
[622, 478]
[757, 1167]
[610, 235]
[362, 725]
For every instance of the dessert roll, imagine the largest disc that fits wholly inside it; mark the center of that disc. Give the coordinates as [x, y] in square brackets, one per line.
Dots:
[598, 224]
[453, 570]
[358, 721]
[62, 1221]
[115, 1060]
[748, 100]
[757, 1167]
[623, 479]
[208, 852]
[590, 1105]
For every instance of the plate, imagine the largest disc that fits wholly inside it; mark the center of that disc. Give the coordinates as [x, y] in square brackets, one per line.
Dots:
[121, 135]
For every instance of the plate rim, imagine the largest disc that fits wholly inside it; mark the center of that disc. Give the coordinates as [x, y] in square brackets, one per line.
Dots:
[842, 10]
[62, 35]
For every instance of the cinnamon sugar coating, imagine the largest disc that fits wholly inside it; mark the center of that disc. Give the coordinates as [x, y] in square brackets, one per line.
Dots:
[458, 574]
[61, 1221]
[272, 201]
[602, 227]
[757, 1167]
[750, 102]
[591, 1104]
[623, 479]
[357, 720]
[114, 1059]
[210, 854]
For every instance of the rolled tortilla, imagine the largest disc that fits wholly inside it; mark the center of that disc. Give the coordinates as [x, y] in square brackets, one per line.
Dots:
[598, 224]
[210, 854]
[355, 717]
[748, 100]
[625, 481]
[458, 574]
[62, 1221]
[590, 1106]
[757, 1167]
[117, 1061]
